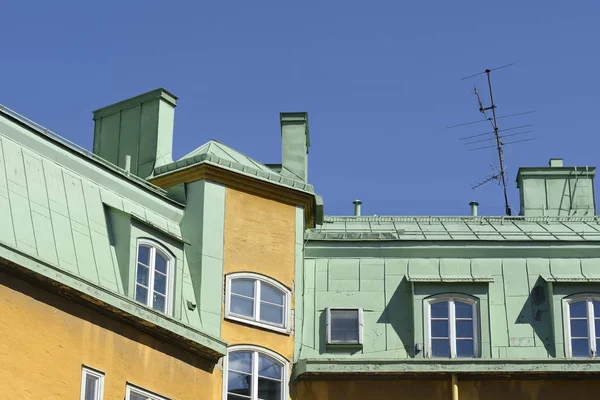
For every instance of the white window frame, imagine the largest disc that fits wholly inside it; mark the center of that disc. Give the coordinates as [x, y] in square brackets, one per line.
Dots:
[360, 325]
[150, 396]
[258, 280]
[255, 351]
[85, 371]
[588, 298]
[154, 247]
[451, 298]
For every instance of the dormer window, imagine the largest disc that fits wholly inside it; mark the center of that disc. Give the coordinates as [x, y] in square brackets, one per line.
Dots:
[257, 300]
[154, 276]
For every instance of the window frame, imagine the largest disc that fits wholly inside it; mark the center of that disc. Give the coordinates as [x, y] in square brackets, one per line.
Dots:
[256, 350]
[360, 326]
[451, 298]
[85, 370]
[155, 246]
[258, 280]
[150, 396]
[588, 298]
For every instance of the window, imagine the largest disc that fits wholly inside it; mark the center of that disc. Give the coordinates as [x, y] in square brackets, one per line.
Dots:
[153, 278]
[582, 325]
[344, 325]
[254, 374]
[134, 393]
[92, 384]
[451, 326]
[257, 300]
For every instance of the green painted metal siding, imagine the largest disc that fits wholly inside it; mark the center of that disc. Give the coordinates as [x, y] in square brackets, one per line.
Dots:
[519, 316]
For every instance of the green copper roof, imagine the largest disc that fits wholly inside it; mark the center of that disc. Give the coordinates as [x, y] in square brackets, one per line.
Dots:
[224, 156]
[458, 228]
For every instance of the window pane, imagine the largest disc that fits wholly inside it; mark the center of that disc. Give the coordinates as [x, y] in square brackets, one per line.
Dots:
[577, 309]
[463, 310]
[344, 326]
[144, 255]
[238, 383]
[159, 302]
[242, 306]
[240, 361]
[271, 313]
[464, 328]
[580, 348]
[579, 328]
[160, 283]
[137, 396]
[597, 323]
[271, 294]
[269, 389]
[91, 387]
[141, 294]
[464, 348]
[439, 310]
[439, 328]
[596, 308]
[245, 287]
[235, 397]
[160, 263]
[440, 348]
[142, 275]
[268, 367]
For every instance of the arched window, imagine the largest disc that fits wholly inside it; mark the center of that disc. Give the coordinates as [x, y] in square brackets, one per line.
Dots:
[154, 276]
[582, 325]
[257, 300]
[255, 374]
[451, 326]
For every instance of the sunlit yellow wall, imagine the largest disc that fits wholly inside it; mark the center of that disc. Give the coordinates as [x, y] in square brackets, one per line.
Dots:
[45, 339]
[259, 237]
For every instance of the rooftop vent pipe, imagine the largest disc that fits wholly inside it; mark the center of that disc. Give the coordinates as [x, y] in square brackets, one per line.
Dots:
[357, 204]
[474, 205]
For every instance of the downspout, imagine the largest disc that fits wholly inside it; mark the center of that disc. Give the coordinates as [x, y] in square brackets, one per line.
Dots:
[454, 387]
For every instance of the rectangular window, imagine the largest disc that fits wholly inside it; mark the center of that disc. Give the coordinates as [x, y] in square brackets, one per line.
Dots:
[134, 393]
[344, 325]
[92, 384]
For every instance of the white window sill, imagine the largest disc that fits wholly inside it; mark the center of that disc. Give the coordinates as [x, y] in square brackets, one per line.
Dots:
[258, 324]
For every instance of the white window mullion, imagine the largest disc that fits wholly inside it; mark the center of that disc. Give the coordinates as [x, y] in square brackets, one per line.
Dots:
[149, 301]
[257, 300]
[254, 391]
[591, 327]
[452, 328]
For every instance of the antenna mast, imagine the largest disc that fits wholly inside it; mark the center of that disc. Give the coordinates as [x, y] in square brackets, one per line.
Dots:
[496, 135]
[494, 122]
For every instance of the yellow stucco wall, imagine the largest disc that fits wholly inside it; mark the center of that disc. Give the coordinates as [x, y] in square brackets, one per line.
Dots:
[45, 339]
[534, 389]
[259, 237]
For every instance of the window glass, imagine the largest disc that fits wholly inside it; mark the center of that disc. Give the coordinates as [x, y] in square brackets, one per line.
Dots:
[344, 326]
[245, 381]
[257, 300]
[138, 394]
[92, 385]
[451, 328]
[152, 277]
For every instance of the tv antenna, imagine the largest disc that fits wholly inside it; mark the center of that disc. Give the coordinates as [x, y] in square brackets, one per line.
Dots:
[496, 136]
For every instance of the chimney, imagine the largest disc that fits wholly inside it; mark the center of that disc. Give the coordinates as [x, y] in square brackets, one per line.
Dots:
[556, 190]
[295, 142]
[357, 203]
[474, 206]
[141, 127]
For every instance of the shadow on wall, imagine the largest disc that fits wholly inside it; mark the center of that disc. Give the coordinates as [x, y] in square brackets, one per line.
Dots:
[73, 308]
[536, 312]
[398, 314]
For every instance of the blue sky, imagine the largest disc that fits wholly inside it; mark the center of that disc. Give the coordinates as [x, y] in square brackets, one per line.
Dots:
[380, 81]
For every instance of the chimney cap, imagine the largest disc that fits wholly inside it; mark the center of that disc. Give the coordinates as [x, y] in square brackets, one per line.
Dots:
[556, 162]
[357, 202]
[473, 203]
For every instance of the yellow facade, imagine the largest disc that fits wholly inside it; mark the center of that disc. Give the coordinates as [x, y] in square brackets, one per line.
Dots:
[45, 340]
[259, 238]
